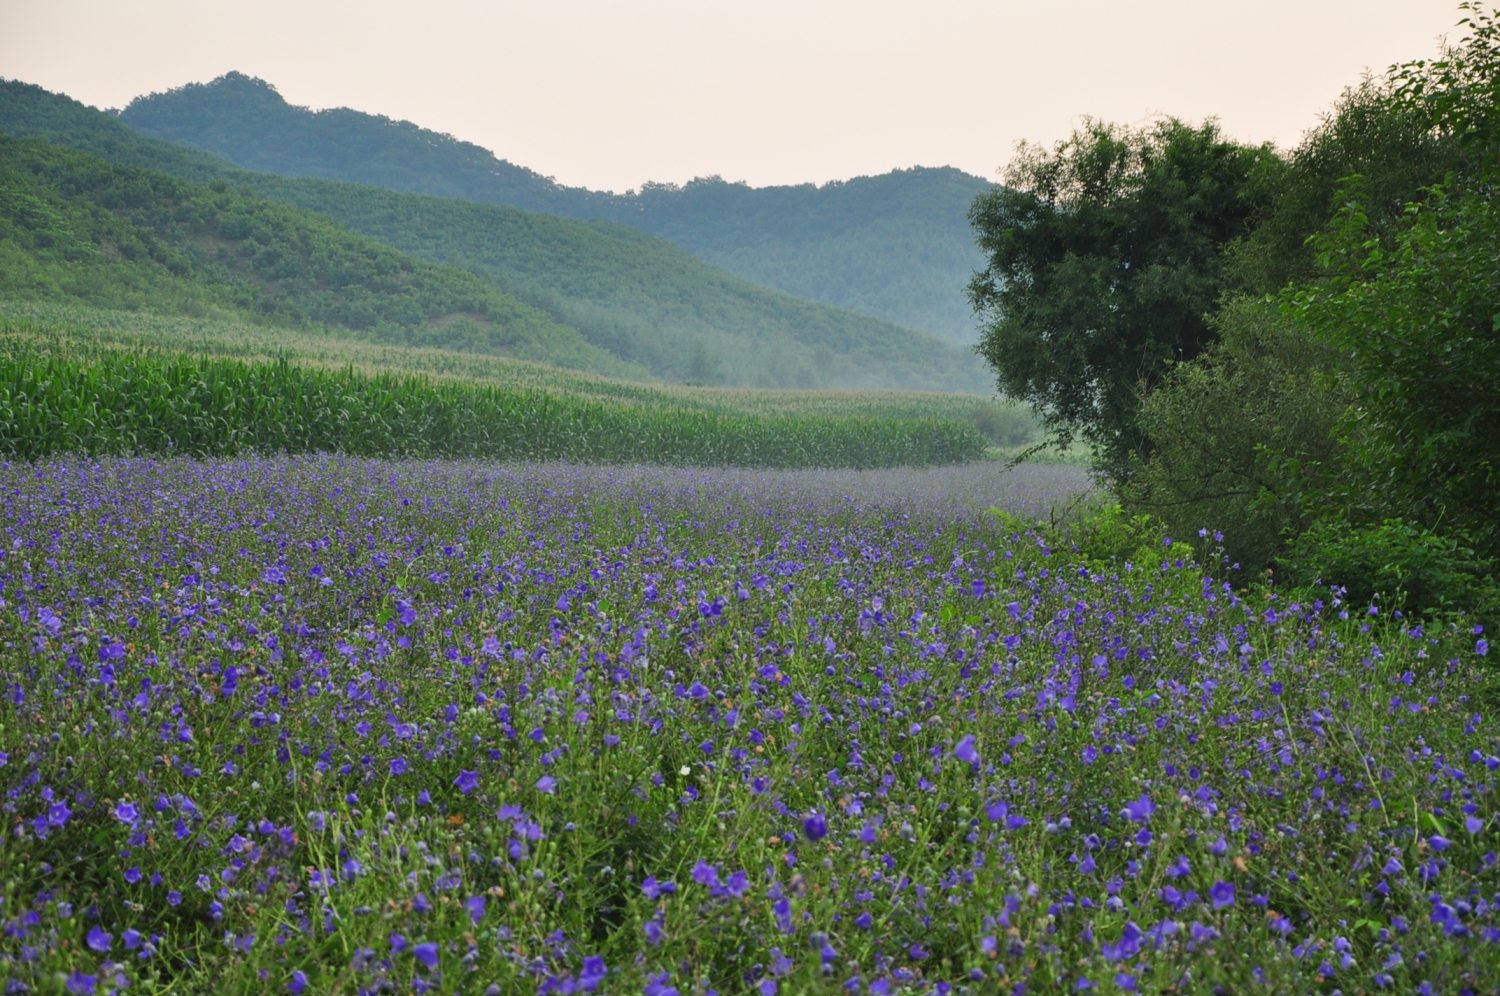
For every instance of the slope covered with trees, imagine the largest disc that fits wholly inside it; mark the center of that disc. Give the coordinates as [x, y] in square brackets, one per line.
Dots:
[895, 246]
[632, 294]
[74, 226]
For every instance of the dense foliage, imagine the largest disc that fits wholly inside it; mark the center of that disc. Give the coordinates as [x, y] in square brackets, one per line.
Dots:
[1245, 437]
[1105, 255]
[74, 226]
[438, 728]
[1341, 423]
[636, 296]
[894, 246]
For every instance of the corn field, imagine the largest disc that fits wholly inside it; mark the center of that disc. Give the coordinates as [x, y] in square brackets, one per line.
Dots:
[115, 403]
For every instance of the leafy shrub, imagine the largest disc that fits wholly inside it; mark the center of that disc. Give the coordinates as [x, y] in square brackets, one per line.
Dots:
[1400, 564]
[1101, 533]
[1241, 435]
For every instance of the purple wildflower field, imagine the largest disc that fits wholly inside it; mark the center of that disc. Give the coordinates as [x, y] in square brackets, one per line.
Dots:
[324, 725]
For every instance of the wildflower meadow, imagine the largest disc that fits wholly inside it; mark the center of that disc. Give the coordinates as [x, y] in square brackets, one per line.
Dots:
[326, 725]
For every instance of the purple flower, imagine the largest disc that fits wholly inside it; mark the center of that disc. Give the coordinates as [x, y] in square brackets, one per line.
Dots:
[1439, 843]
[398, 944]
[126, 812]
[298, 982]
[1482, 647]
[1222, 895]
[738, 884]
[593, 972]
[965, 751]
[1090, 755]
[546, 785]
[467, 781]
[705, 874]
[815, 826]
[132, 875]
[427, 954]
[1128, 946]
[1139, 811]
[98, 940]
[58, 813]
[82, 985]
[996, 811]
[475, 907]
[653, 889]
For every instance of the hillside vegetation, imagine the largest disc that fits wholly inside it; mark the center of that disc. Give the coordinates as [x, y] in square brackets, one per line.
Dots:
[643, 299]
[75, 227]
[895, 246]
[636, 296]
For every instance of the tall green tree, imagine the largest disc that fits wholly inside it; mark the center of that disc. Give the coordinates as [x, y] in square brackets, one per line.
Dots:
[1106, 257]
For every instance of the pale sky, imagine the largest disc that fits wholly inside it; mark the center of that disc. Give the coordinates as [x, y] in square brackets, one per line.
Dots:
[609, 93]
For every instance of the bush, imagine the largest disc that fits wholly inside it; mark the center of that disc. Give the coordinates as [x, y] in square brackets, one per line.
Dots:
[1242, 436]
[1101, 534]
[1402, 565]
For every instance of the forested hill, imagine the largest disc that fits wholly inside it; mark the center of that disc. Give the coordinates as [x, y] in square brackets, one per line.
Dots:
[896, 246]
[75, 227]
[645, 301]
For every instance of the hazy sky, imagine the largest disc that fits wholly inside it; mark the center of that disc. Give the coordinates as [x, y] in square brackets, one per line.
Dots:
[607, 94]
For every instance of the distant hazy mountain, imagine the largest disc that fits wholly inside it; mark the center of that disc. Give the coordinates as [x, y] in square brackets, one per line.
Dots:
[647, 303]
[896, 246]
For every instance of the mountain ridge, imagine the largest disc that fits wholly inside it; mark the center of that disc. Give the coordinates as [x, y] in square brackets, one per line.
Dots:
[637, 296]
[895, 246]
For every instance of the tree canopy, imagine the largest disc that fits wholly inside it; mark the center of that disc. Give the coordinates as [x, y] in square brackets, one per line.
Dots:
[1106, 255]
